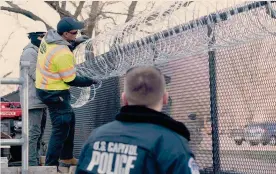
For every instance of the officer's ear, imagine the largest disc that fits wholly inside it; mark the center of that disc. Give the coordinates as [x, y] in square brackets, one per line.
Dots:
[165, 98]
[125, 103]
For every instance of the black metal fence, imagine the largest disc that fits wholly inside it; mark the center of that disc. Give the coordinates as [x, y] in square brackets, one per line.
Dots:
[231, 93]
[226, 97]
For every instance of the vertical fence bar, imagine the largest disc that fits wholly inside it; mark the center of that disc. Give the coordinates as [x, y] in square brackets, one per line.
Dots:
[213, 105]
[24, 141]
[25, 119]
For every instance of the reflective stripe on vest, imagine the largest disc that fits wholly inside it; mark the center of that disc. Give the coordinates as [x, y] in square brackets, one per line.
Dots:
[67, 72]
[48, 74]
[44, 70]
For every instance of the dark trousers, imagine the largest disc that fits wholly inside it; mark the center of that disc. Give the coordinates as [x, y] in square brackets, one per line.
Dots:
[61, 142]
[37, 122]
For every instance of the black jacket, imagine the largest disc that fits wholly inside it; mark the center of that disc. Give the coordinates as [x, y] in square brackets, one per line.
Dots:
[139, 141]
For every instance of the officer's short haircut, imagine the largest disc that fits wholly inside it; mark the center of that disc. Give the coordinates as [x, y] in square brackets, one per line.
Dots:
[144, 85]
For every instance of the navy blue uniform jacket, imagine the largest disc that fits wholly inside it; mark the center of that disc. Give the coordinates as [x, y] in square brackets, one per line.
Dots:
[139, 141]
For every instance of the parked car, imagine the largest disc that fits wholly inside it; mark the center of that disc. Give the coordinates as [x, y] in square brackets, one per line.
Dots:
[271, 128]
[237, 135]
[261, 133]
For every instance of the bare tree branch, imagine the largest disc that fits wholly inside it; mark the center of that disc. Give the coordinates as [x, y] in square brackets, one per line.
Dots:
[63, 5]
[131, 10]
[5, 44]
[175, 6]
[76, 6]
[7, 74]
[149, 7]
[117, 13]
[111, 2]
[125, 5]
[73, 3]
[53, 4]
[167, 12]
[152, 4]
[25, 13]
[61, 12]
[109, 17]
[144, 31]
[12, 4]
[106, 3]
[97, 31]
[101, 6]
[78, 9]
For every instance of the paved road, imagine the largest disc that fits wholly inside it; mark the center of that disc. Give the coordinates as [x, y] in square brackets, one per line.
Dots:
[243, 159]
[243, 163]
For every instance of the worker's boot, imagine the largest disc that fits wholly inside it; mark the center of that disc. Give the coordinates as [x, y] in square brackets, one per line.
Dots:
[68, 162]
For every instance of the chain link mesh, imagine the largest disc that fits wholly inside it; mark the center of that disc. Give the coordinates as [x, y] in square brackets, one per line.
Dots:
[143, 40]
[234, 132]
[171, 31]
[219, 63]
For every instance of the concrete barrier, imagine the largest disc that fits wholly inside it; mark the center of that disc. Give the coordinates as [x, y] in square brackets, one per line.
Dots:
[72, 170]
[10, 170]
[38, 170]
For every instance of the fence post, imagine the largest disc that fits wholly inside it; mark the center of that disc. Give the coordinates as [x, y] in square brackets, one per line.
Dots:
[24, 141]
[213, 104]
[25, 119]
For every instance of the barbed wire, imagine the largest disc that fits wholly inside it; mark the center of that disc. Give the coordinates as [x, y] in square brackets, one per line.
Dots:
[172, 31]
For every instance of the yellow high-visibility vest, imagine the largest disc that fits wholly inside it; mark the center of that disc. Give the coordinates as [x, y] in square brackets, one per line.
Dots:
[55, 66]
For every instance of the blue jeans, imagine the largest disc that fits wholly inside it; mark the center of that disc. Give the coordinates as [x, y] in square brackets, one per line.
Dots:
[62, 117]
[37, 122]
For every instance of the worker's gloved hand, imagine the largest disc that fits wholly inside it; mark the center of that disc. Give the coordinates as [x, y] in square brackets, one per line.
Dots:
[81, 39]
[90, 81]
[82, 81]
[78, 41]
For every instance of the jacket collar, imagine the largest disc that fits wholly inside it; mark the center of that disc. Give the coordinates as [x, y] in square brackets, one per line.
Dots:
[52, 37]
[141, 114]
[30, 45]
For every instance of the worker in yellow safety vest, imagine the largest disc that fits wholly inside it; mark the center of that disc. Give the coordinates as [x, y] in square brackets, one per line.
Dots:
[55, 73]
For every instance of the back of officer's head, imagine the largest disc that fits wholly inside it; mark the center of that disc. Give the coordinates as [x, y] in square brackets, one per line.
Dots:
[145, 86]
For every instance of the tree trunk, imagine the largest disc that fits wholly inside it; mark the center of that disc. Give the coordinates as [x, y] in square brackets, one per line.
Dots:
[92, 18]
[131, 10]
[63, 5]
[78, 9]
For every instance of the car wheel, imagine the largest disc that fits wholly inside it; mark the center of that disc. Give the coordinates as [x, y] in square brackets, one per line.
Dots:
[238, 142]
[252, 143]
[273, 141]
[265, 143]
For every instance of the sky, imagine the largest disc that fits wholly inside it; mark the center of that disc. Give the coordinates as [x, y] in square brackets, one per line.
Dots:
[13, 35]
[14, 38]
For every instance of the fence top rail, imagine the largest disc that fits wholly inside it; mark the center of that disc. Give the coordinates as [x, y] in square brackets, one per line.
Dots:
[11, 81]
[209, 19]
[15, 81]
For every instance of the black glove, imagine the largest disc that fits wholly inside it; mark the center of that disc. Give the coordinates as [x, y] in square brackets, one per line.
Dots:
[78, 41]
[81, 39]
[80, 81]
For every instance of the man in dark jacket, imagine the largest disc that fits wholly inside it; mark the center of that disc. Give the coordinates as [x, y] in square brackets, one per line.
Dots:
[37, 110]
[141, 140]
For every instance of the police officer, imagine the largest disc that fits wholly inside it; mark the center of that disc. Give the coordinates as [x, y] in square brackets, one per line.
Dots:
[37, 110]
[55, 73]
[141, 140]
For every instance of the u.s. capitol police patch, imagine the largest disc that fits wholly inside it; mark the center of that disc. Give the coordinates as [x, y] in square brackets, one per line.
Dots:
[193, 166]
